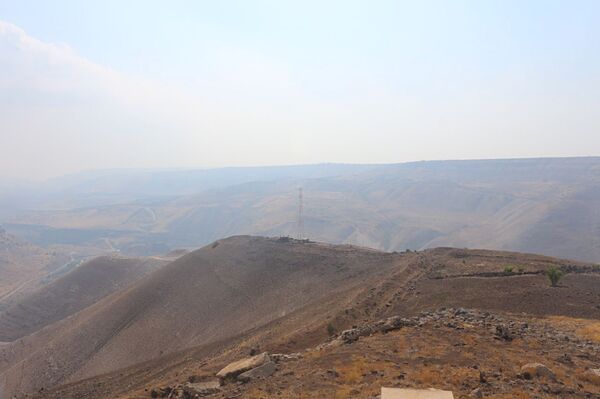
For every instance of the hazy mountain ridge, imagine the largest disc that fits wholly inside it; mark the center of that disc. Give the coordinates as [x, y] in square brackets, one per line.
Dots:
[535, 205]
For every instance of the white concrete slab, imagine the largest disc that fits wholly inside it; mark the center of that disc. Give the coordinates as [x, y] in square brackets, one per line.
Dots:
[404, 393]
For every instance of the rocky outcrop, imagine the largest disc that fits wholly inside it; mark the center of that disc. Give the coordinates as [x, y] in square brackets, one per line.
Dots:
[187, 391]
[381, 326]
[503, 332]
[283, 357]
[500, 327]
[232, 370]
[503, 328]
[252, 368]
[264, 371]
[536, 370]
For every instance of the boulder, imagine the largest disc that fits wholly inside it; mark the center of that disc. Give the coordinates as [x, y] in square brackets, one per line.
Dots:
[200, 389]
[503, 332]
[161, 392]
[531, 370]
[392, 323]
[283, 357]
[264, 371]
[187, 391]
[234, 369]
[477, 393]
[350, 335]
[592, 375]
[353, 334]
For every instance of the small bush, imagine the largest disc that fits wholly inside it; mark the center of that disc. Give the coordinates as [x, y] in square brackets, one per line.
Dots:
[330, 330]
[554, 275]
[508, 270]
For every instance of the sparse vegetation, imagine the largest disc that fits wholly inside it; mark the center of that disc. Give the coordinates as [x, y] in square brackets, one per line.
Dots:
[331, 330]
[554, 275]
[511, 269]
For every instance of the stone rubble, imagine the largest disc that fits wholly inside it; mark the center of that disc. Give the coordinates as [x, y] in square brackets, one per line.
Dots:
[500, 327]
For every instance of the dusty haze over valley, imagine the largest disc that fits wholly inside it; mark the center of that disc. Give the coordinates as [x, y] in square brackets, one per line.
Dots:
[265, 199]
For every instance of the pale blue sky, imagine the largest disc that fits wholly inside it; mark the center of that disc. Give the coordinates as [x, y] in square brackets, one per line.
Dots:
[198, 84]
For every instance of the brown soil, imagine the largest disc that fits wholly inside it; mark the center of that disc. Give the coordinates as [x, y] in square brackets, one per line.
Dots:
[282, 296]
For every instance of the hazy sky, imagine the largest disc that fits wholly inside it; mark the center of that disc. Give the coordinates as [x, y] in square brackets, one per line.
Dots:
[105, 84]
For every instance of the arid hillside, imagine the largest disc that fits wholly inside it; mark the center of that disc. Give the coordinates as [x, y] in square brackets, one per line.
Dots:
[248, 294]
[212, 294]
[72, 292]
[22, 265]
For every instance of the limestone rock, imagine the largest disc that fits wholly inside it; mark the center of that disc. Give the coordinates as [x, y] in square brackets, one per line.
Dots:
[200, 389]
[234, 369]
[264, 371]
[531, 370]
[283, 357]
[392, 323]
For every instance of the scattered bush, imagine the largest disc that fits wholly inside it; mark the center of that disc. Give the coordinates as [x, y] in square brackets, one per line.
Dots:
[554, 275]
[508, 270]
[330, 330]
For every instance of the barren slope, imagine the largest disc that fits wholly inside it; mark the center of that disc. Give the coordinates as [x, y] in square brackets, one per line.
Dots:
[247, 292]
[76, 290]
[21, 265]
[211, 294]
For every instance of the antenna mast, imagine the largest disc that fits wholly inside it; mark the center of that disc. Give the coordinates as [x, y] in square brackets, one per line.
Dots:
[300, 220]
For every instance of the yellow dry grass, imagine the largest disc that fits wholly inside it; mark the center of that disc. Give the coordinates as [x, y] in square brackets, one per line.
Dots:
[584, 328]
[590, 331]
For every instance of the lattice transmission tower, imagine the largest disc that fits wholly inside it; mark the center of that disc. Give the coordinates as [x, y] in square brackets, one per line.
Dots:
[300, 232]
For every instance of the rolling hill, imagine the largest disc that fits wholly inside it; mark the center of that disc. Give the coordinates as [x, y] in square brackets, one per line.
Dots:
[548, 206]
[211, 294]
[243, 292]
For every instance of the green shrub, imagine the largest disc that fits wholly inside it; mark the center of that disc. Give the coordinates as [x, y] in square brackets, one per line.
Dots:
[508, 270]
[554, 275]
[330, 330]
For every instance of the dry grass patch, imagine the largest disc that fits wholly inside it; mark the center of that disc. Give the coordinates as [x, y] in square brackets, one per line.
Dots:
[427, 376]
[515, 394]
[584, 328]
[590, 331]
